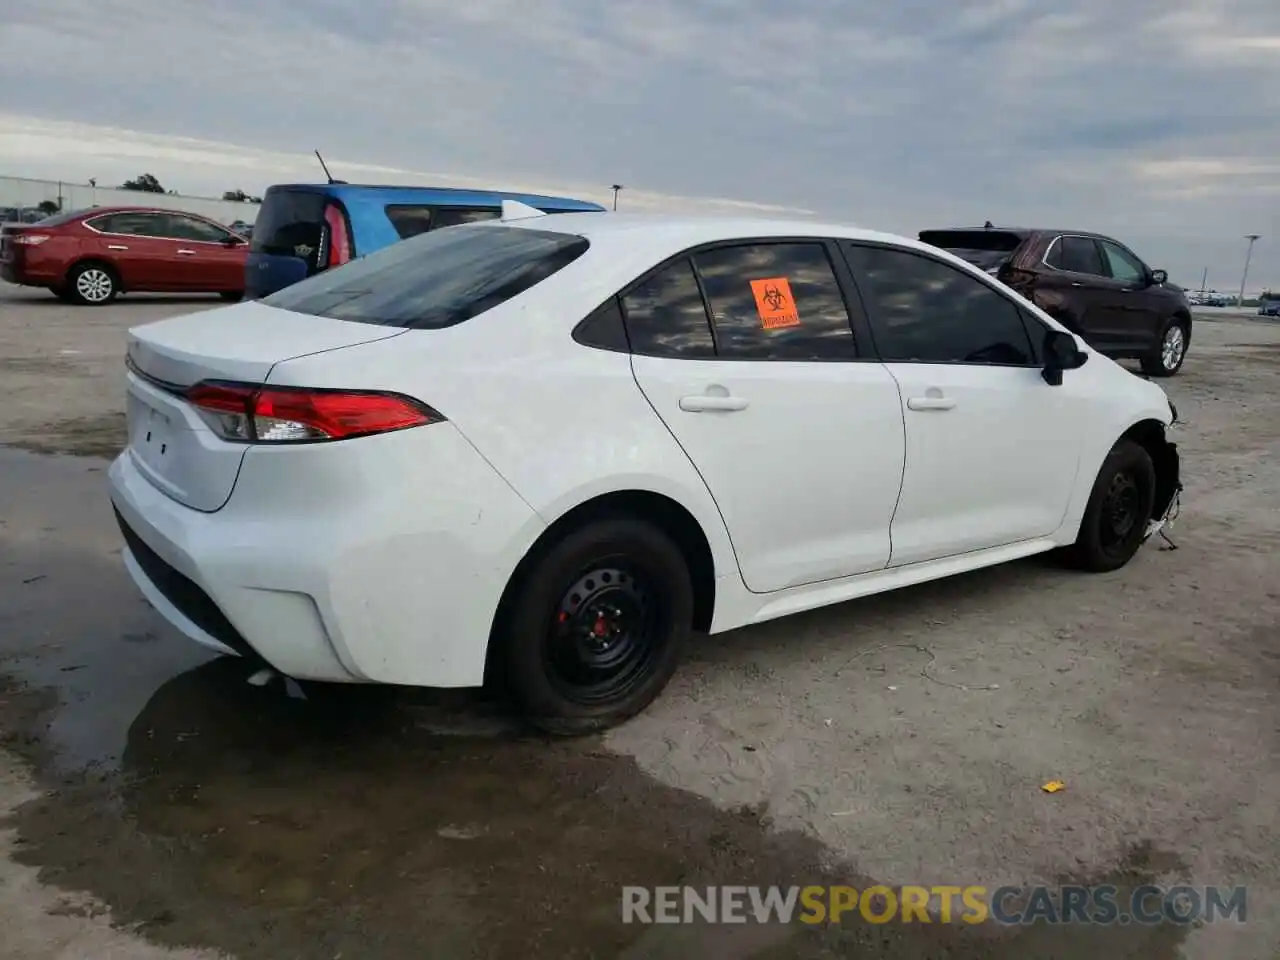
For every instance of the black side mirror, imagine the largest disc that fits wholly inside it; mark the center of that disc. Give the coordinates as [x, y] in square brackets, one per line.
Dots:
[1060, 353]
[231, 240]
[1158, 277]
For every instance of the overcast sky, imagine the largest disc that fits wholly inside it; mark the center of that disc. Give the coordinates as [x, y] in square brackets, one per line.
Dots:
[1157, 122]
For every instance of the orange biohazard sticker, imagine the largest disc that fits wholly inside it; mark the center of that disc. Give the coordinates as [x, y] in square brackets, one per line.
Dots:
[774, 303]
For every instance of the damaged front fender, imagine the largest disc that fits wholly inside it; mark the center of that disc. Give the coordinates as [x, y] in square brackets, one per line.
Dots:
[1167, 463]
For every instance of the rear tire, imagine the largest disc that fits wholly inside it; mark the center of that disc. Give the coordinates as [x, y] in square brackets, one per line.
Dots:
[1119, 509]
[596, 627]
[232, 296]
[1165, 358]
[92, 284]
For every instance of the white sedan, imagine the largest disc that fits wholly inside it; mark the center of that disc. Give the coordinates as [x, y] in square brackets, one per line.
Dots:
[544, 449]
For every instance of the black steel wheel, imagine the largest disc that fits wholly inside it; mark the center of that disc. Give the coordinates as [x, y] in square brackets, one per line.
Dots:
[596, 625]
[1119, 509]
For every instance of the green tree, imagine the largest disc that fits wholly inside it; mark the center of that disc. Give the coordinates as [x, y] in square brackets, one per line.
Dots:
[147, 183]
[48, 207]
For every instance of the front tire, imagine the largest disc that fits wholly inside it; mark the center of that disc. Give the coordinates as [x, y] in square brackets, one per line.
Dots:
[596, 626]
[1119, 509]
[91, 284]
[1169, 351]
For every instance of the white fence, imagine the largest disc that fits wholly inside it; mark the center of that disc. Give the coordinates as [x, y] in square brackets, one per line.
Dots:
[19, 195]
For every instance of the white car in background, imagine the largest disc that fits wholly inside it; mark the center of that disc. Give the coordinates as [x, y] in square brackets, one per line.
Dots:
[547, 448]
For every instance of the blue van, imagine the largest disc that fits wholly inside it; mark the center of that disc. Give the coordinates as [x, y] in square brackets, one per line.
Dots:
[303, 228]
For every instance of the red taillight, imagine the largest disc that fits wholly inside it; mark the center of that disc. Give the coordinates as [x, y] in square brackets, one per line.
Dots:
[339, 238]
[251, 414]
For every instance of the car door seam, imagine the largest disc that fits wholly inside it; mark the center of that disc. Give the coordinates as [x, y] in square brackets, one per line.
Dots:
[631, 363]
[902, 476]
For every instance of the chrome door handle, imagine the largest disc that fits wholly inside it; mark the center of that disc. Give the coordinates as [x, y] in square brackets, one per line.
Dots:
[187, 253]
[930, 403]
[707, 403]
[116, 246]
[1076, 283]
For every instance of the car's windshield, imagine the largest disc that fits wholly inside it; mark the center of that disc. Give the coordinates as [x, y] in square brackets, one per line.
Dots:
[435, 279]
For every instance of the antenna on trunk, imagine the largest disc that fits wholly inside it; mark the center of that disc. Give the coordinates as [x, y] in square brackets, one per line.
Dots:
[325, 168]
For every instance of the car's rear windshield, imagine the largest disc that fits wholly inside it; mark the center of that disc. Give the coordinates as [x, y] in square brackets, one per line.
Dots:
[988, 249]
[290, 223]
[435, 279]
[57, 219]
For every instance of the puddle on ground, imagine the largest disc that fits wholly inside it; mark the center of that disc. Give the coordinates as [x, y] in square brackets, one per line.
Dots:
[370, 823]
[385, 824]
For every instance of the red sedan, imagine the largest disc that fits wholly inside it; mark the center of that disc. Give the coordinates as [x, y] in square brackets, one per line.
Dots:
[90, 256]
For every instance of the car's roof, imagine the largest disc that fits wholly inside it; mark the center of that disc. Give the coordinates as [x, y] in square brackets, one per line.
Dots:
[455, 196]
[667, 231]
[132, 208]
[1019, 231]
[67, 217]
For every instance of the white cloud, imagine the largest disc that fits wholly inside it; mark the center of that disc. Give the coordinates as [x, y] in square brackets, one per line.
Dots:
[205, 168]
[1134, 117]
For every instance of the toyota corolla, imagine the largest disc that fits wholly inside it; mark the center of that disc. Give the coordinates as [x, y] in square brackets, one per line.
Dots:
[546, 448]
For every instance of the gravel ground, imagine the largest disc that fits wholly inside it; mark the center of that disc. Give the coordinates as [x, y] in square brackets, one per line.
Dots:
[903, 738]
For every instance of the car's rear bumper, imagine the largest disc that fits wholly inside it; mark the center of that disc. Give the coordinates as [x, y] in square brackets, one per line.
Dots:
[382, 562]
[10, 272]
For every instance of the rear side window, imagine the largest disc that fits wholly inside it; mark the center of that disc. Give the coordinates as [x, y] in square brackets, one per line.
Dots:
[665, 315]
[409, 220]
[775, 301]
[132, 224]
[924, 311]
[290, 223]
[436, 279]
[1076, 255]
[986, 249]
[453, 216]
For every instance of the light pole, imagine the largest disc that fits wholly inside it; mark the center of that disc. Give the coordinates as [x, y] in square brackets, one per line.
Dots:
[617, 187]
[1251, 237]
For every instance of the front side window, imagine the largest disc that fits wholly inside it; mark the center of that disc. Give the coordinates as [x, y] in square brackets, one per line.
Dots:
[776, 301]
[436, 279]
[1121, 264]
[925, 311]
[189, 228]
[665, 315]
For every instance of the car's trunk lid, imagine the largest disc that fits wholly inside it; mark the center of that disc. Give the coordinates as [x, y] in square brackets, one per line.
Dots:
[168, 440]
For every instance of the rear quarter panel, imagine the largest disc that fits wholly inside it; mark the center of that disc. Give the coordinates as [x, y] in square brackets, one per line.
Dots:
[561, 422]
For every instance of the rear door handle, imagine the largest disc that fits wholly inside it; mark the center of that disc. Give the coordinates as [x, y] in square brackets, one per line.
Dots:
[116, 246]
[187, 253]
[708, 403]
[1076, 283]
[930, 403]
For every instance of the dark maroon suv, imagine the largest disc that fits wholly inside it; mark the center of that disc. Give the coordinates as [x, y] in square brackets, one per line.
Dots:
[1093, 285]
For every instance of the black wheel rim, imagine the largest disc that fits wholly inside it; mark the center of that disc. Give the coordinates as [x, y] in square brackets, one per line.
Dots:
[604, 633]
[1121, 510]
